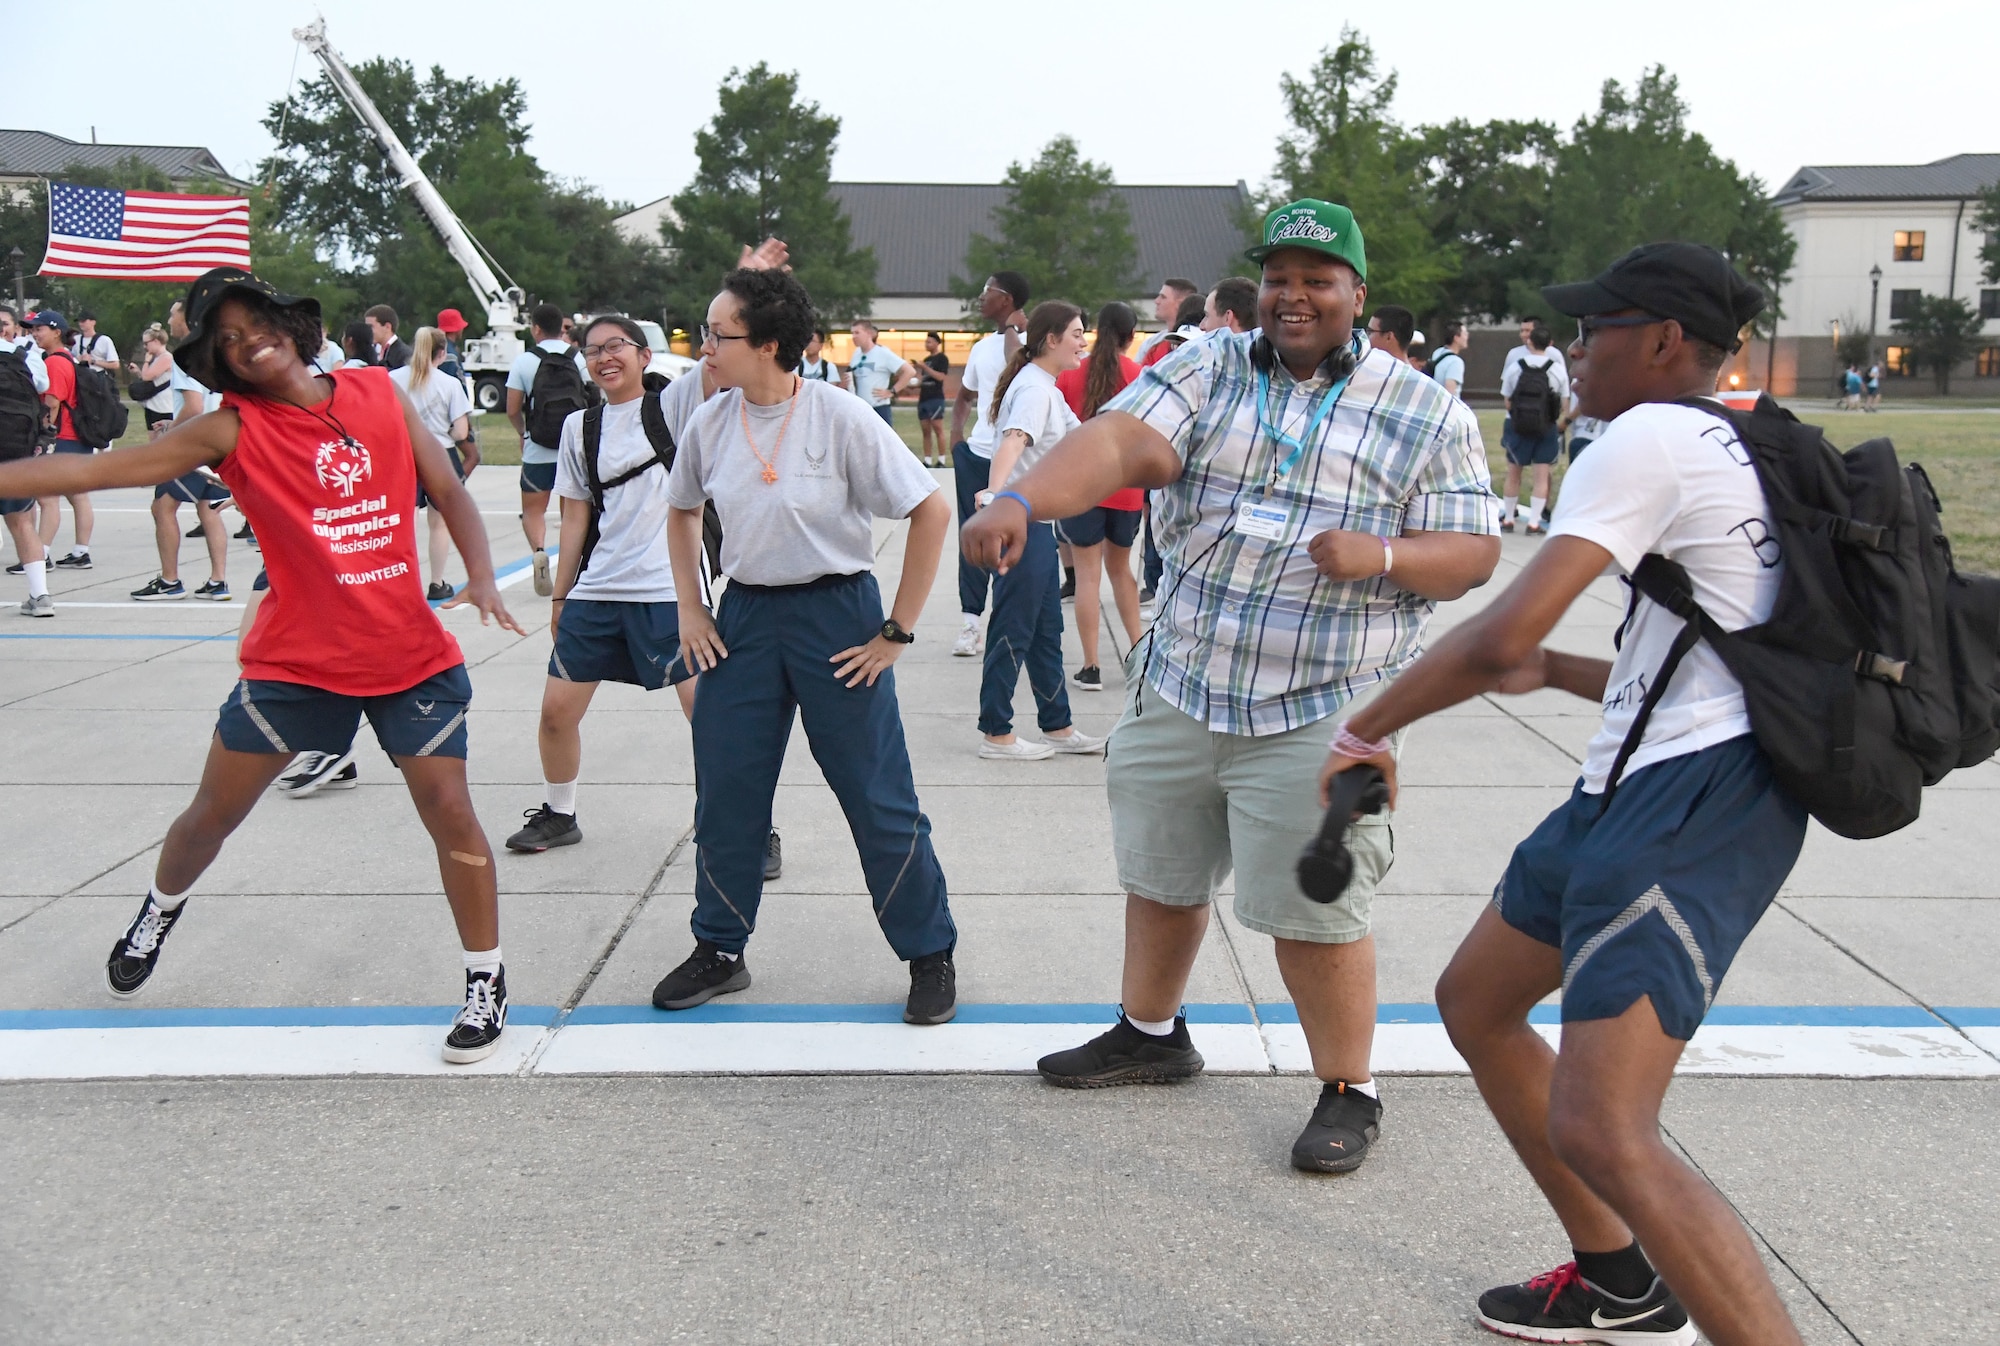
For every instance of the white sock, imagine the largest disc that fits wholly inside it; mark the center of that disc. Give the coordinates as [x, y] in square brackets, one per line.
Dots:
[728, 956]
[166, 901]
[38, 577]
[1160, 1028]
[1538, 503]
[487, 962]
[971, 620]
[1366, 1089]
[561, 798]
[80, 549]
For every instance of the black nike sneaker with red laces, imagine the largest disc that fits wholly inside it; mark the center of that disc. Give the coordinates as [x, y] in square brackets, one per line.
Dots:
[1561, 1305]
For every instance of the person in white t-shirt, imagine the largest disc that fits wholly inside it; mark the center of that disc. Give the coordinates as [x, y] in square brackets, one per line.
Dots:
[817, 365]
[92, 347]
[446, 411]
[1633, 897]
[1001, 303]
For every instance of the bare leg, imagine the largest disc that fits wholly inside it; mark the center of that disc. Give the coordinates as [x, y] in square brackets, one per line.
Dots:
[685, 691]
[1160, 947]
[1124, 590]
[50, 521]
[560, 734]
[465, 860]
[167, 536]
[27, 542]
[1333, 986]
[534, 519]
[440, 543]
[84, 516]
[1089, 599]
[231, 784]
[216, 534]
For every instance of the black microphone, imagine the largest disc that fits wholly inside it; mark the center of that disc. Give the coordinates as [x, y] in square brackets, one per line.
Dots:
[1326, 865]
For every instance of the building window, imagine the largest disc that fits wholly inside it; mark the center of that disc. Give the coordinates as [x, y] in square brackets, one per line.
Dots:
[1989, 304]
[1901, 360]
[1987, 363]
[1909, 245]
[1903, 304]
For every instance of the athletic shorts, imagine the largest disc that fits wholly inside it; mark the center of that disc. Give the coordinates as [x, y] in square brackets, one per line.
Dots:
[71, 446]
[1654, 895]
[1119, 527]
[427, 720]
[1577, 446]
[887, 411]
[538, 478]
[1525, 452]
[1189, 805]
[606, 641]
[15, 504]
[154, 418]
[262, 582]
[457, 465]
[930, 408]
[193, 489]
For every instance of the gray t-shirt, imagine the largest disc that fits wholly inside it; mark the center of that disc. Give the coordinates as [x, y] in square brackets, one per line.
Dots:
[521, 378]
[839, 468]
[680, 400]
[1037, 408]
[630, 562]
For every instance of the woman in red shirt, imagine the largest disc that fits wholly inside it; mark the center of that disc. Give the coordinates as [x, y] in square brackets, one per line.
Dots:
[324, 467]
[1113, 525]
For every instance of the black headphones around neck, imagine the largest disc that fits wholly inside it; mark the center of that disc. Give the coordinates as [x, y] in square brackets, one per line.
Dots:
[1337, 366]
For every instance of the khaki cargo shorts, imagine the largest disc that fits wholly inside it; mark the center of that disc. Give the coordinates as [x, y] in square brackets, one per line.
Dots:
[1189, 805]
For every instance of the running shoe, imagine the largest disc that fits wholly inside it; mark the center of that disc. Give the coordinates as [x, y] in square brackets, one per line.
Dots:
[704, 975]
[1535, 528]
[439, 592]
[244, 534]
[1506, 523]
[41, 605]
[1124, 1055]
[774, 857]
[1561, 1305]
[1077, 743]
[475, 1032]
[311, 772]
[933, 990]
[216, 591]
[1089, 678]
[1068, 588]
[194, 531]
[157, 590]
[546, 828]
[137, 953]
[1020, 750]
[1145, 596]
[543, 584]
[76, 560]
[1344, 1124]
[968, 643]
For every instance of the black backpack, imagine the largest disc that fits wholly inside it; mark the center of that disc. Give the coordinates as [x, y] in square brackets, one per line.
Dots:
[1533, 403]
[654, 422]
[20, 408]
[1875, 674]
[559, 389]
[97, 416]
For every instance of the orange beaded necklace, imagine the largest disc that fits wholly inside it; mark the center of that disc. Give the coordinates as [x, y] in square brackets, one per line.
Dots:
[770, 473]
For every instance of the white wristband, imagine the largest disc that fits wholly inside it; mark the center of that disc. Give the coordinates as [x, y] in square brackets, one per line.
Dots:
[1388, 557]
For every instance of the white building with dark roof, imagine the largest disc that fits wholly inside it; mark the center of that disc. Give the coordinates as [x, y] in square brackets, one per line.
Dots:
[32, 156]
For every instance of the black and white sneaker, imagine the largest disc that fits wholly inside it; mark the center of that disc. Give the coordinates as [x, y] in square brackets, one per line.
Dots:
[705, 974]
[1561, 1305]
[216, 591]
[311, 772]
[1343, 1125]
[134, 957]
[1089, 678]
[475, 1033]
[774, 857]
[933, 990]
[1124, 1055]
[158, 589]
[439, 591]
[76, 560]
[545, 828]
[18, 568]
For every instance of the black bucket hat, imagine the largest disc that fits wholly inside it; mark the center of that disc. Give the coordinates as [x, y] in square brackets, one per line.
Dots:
[196, 355]
[1689, 282]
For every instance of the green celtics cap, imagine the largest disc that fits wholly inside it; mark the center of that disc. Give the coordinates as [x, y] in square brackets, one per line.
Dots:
[1318, 225]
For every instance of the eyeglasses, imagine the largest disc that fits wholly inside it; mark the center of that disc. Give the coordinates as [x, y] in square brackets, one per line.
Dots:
[611, 347]
[1586, 326]
[711, 337]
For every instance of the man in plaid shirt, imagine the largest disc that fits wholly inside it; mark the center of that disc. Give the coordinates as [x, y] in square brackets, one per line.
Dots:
[1315, 499]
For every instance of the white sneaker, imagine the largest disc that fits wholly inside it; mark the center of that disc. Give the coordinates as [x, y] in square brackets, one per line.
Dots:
[1020, 750]
[1077, 742]
[311, 772]
[967, 645]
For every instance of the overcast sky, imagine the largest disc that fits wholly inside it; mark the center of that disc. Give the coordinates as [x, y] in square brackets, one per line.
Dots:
[1160, 90]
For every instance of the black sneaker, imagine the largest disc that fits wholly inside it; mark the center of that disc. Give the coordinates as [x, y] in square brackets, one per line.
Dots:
[1561, 1305]
[438, 592]
[475, 1033]
[933, 990]
[76, 560]
[135, 955]
[1344, 1124]
[1068, 588]
[774, 857]
[216, 591]
[311, 772]
[1089, 678]
[545, 828]
[244, 534]
[157, 589]
[194, 531]
[1124, 1055]
[705, 975]
[1146, 595]
[19, 568]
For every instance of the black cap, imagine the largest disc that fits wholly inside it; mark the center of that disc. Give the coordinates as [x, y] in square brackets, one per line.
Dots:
[1689, 282]
[196, 355]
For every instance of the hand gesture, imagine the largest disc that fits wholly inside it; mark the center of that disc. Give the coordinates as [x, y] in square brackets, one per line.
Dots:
[770, 255]
[482, 594]
[868, 661]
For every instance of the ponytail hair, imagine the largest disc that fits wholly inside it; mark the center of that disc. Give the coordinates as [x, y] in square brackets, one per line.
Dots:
[423, 356]
[1104, 378]
[1050, 319]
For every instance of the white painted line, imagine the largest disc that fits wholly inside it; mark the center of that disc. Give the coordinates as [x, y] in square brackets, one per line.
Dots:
[204, 606]
[1987, 1038]
[380, 1049]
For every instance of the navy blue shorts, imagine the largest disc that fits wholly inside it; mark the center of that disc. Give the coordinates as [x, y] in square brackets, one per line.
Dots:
[604, 641]
[1119, 527]
[1577, 446]
[427, 720]
[193, 488]
[930, 408]
[16, 504]
[1655, 897]
[537, 478]
[262, 582]
[457, 465]
[70, 446]
[1525, 452]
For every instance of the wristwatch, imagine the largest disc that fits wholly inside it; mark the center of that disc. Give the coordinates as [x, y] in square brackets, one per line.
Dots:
[895, 633]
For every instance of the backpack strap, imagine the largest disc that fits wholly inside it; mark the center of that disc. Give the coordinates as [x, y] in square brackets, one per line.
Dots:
[1667, 584]
[593, 438]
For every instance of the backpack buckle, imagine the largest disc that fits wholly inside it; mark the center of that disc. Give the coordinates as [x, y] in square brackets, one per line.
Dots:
[1872, 536]
[1881, 666]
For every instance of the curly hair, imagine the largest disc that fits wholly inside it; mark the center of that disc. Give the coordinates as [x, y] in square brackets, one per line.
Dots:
[298, 323]
[774, 307]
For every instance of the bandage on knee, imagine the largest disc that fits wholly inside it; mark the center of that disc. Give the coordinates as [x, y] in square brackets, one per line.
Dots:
[467, 858]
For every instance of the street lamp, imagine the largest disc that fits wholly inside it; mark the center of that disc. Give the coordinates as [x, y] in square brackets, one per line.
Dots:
[16, 256]
[1874, 297]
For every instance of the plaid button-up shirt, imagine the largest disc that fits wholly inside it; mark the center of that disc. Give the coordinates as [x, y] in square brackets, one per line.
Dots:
[1250, 637]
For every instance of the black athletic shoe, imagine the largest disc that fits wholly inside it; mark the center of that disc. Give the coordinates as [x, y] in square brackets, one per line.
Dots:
[1124, 1055]
[1344, 1124]
[1089, 678]
[1561, 1305]
[21, 567]
[1146, 595]
[76, 560]
[545, 828]
[705, 975]
[244, 534]
[194, 531]
[134, 957]
[933, 990]
[216, 591]
[438, 592]
[475, 1033]
[1069, 588]
[774, 857]
[157, 589]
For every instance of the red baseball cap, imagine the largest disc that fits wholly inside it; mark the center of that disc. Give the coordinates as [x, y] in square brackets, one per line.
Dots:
[451, 320]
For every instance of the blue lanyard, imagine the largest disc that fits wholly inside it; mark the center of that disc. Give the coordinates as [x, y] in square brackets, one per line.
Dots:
[1281, 439]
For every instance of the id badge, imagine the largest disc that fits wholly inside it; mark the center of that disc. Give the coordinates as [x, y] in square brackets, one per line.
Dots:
[1265, 519]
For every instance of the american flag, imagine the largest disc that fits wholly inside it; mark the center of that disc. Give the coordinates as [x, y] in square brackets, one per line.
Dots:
[114, 235]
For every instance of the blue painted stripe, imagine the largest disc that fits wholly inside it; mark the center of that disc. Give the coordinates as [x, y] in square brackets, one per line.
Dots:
[283, 1016]
[511, 568]
[1962, 1016]
[78, 635]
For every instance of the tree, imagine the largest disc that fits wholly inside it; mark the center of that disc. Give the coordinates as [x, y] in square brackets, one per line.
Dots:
[763, 169]
[1488, 200]
[1987, 220]
[1065, 226]
[1942, 332]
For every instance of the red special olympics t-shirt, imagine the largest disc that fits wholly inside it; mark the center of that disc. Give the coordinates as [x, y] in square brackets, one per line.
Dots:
[332, 497]
[1070, 384]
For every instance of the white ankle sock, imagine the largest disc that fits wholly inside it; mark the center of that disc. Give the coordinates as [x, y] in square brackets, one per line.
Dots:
[1366, 1089]
[80, 549]
[38, 577]
[487, 962]
[561, 798]
[971, 620]
[166, 901]
[1538, 504]
[1161, 1028]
